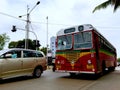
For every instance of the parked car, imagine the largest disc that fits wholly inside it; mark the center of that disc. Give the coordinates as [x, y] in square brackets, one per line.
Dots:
[21, 62]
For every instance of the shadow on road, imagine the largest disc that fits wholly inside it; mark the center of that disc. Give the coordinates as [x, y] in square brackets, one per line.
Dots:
[82, 77]
[22, 78]
[86, 76]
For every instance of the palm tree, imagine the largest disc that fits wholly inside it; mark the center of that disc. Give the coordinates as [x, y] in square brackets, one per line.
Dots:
[115, 3]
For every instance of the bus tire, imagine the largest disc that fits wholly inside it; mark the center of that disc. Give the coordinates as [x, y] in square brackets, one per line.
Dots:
[103, 68]
[53, 69]
[113, 68]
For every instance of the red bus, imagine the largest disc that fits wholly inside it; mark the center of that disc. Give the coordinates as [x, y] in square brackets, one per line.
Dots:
[82, 49]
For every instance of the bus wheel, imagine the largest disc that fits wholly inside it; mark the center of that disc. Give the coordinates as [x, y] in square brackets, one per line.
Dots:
[53, 69]
[103, 68]
[111, 68]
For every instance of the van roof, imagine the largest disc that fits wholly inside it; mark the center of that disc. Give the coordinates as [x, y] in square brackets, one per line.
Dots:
[6, 50]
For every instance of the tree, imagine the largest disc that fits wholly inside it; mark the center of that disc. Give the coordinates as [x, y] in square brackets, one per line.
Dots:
[118, 59]
[21, 44]
[44, 50]
[115, 3]
[3, 39]
[12, 44]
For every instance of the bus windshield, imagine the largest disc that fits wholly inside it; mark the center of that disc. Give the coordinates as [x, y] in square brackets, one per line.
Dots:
[83, 40]
[64, 42]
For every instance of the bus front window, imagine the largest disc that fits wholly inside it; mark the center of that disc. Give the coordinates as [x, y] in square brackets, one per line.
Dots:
[83, 40]
[64, 42]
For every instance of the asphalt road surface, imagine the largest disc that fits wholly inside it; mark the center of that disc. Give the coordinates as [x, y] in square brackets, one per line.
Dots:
[62, 81]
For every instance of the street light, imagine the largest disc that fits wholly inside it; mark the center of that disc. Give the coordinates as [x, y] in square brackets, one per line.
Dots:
[28, 22]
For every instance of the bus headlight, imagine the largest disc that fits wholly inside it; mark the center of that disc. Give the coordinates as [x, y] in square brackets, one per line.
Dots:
[89, 62]
[58, 62]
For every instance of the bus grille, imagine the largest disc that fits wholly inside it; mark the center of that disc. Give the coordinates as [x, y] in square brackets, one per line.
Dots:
[72, 56]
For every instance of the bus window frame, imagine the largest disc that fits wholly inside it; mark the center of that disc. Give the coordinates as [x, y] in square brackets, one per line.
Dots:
[64, 42]
[84, 47]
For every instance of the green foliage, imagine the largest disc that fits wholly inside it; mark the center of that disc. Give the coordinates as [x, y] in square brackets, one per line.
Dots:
[3, 39]
[103, 5]
[21, 44]
[31, 45]
[115, 3]
[118, 59]
[12, 44]
[44, 50]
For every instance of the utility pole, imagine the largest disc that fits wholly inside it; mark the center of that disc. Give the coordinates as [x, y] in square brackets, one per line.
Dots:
[27, 28]
[27, 23]
[47, 38]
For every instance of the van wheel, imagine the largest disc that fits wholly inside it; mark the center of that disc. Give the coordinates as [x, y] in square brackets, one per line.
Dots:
[37, 73]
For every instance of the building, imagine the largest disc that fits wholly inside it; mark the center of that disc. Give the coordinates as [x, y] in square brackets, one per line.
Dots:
[53, 46]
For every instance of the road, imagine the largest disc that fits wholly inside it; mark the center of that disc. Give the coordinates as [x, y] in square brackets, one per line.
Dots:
[62, 81]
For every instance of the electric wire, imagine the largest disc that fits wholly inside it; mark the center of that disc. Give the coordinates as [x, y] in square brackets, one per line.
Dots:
[58, 24]
[11, 16]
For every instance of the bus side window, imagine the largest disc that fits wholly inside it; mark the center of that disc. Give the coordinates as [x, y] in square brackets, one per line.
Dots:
[99, 43]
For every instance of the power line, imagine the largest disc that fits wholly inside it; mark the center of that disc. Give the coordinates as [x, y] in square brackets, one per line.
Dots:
[106, 27]
[58, 24]
[116, 27]
[53, 23]
[11, 16]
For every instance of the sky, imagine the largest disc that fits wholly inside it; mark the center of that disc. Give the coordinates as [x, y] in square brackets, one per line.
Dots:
[61, 14]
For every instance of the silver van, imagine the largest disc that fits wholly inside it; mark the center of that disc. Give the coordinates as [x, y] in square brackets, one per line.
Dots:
[21, 62]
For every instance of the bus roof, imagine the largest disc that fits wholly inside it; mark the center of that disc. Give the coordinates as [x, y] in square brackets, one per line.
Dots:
[74, 29]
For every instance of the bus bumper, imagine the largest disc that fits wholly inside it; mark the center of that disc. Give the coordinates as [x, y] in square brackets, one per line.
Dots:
[82, 72]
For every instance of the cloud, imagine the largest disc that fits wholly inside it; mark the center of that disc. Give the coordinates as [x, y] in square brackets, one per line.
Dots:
[61, 14]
